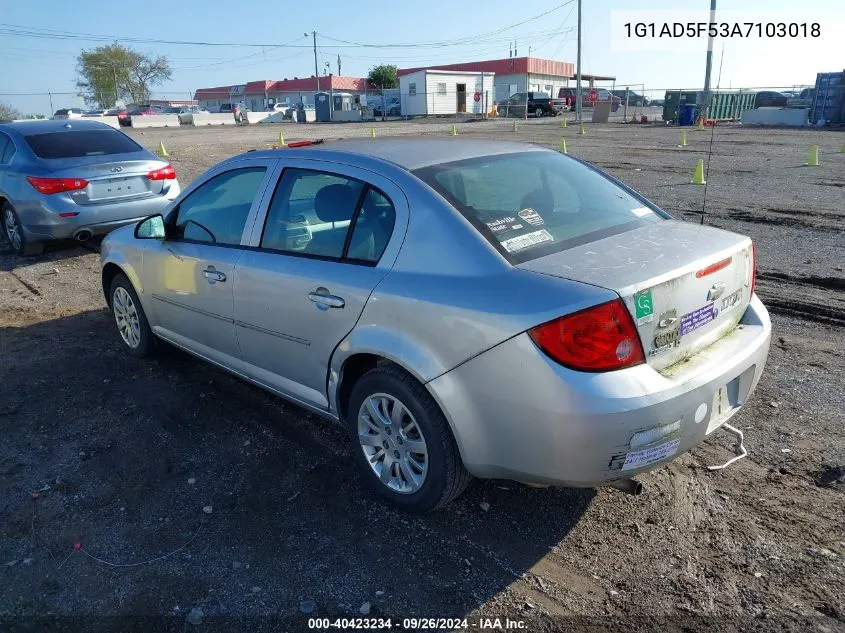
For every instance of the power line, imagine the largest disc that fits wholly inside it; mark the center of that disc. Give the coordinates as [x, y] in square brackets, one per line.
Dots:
[18, 30]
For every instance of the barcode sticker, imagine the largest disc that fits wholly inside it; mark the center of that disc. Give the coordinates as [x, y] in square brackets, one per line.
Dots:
[521, 242]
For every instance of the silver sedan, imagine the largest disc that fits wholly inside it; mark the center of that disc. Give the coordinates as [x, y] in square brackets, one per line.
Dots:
[73, 179]
[462, 307]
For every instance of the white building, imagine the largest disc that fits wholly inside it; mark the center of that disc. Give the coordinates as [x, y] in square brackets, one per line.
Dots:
[431, 92]
[519, 74]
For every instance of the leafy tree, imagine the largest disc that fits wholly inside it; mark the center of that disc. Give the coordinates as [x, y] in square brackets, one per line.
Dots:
[111, 73]
[7, 112]
[384, 76]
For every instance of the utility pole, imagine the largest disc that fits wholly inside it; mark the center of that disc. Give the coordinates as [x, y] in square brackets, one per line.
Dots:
[706, 96]
[578, 69]
[116, 97]
[316, 69]
[338, 65]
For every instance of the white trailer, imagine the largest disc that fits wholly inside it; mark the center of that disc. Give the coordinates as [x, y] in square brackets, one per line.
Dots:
[430, 92]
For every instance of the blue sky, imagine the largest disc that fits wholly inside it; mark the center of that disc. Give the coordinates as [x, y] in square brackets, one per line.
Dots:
[473, 30]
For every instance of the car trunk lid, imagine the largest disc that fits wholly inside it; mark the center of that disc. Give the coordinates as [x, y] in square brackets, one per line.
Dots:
[685, 286]
[115, 179]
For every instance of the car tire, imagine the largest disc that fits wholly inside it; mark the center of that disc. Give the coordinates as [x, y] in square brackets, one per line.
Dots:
[415, 484]
[134, 331]
[538, 112]
[14, 233]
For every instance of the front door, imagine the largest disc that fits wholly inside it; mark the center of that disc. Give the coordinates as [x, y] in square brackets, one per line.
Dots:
[190, 275]
[324, 246]
[462, 97]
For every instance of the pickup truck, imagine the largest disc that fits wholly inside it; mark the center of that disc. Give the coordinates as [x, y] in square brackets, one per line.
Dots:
[539, 104]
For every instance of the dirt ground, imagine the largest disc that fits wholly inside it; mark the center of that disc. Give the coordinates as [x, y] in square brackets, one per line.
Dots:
[132, 460]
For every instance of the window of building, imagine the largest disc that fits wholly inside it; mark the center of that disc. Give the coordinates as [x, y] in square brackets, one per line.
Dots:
[412, 89]
[441, 88]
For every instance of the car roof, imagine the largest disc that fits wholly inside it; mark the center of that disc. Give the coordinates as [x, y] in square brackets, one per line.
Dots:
[44, 126]
[412, 153]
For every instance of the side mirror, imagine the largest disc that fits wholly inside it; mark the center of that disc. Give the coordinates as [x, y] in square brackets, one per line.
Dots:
[151, 228]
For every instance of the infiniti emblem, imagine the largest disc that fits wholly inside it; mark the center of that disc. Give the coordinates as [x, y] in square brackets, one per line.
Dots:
[116, 170]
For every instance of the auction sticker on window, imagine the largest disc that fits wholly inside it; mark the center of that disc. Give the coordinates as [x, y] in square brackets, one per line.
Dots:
[502, 224]
[532, 217]
[645, 457]
[521, 242]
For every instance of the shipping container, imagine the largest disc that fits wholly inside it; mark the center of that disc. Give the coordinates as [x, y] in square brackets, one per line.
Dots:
[829, 98]
[725, 105]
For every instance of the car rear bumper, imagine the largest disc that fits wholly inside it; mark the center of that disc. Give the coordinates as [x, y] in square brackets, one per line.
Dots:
[517, 414]
[41, 222]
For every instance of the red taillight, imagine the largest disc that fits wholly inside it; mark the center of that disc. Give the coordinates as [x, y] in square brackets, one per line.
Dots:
[50, 186]
[600, 338]
[165, 173]
[712, 268]
[753, 268]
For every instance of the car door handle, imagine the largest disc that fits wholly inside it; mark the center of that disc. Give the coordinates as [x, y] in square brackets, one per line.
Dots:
[327, 300]
[213, 275]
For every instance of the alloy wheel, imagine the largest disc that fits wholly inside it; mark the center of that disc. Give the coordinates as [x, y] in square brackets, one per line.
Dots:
[12, 228]
[126, 317]
[393, 443]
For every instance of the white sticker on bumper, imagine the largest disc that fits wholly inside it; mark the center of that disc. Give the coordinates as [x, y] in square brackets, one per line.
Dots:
[639, 459]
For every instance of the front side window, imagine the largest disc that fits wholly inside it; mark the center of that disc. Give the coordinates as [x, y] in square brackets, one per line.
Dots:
[328, 216]
[216, 212]
[531, 204]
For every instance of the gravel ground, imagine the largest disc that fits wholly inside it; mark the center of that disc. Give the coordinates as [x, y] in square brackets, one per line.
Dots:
[124, 455]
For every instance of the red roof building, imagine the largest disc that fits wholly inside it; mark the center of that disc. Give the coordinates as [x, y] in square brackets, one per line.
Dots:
[259, 94]
[509, 66]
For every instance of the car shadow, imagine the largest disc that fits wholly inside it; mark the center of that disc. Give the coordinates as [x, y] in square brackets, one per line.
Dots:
[54, 251]
[137, 458]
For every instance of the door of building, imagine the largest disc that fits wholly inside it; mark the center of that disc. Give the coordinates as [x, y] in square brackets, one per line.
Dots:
[462, 97]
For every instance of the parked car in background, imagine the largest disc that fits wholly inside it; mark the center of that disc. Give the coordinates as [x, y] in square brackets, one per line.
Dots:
[570, 96]
[279, 107]
[69, 113]
[92, 113]
[770, 99]
[123, 116]
[539, 104]
[185, 112]
[390, 107]
[634, 99]
[113, 111]
[587, 341]
[238, 110]
[73, 180]
[145, 109]
[804, 99]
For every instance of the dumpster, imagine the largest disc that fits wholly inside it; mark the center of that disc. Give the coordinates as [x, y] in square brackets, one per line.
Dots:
[687, 114]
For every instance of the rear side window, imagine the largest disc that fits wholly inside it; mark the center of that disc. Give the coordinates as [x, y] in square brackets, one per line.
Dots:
[216, 212]
[531, 204]
[4, 145]
[329, 216]
[79, 143]
[8, 152]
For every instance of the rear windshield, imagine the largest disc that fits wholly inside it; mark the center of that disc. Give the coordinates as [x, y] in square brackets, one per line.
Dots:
[532, 204]
[78, 143]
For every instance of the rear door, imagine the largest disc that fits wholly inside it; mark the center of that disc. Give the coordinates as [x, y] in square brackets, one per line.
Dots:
[190, 275]
[331, 233]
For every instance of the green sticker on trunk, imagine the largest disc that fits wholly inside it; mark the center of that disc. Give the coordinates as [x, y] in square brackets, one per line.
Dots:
[644, 307]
